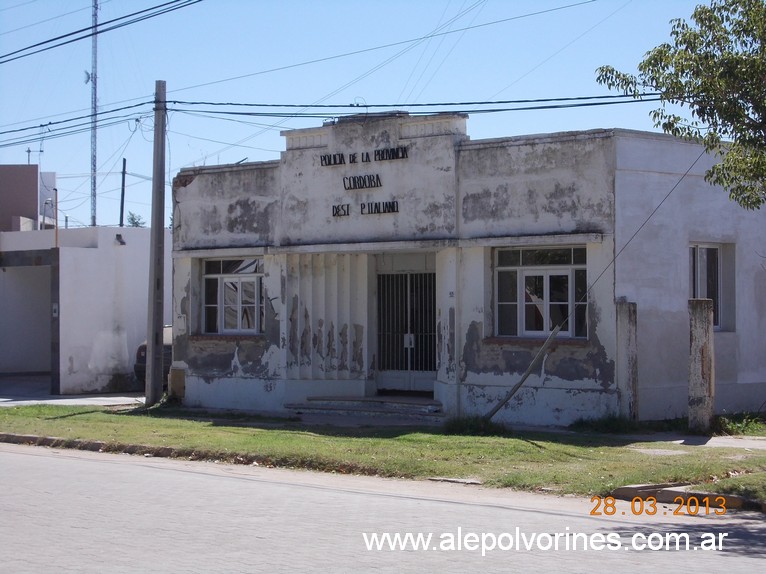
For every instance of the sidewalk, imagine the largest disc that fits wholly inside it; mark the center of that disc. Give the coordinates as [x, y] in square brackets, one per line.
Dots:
[20, 390]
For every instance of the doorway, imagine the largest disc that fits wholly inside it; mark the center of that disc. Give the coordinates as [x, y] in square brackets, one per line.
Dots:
[406, 331]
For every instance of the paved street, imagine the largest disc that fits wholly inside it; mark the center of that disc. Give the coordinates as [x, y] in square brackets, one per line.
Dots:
[71, 511]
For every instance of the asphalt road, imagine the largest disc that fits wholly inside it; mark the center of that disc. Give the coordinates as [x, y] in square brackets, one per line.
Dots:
[72, 511]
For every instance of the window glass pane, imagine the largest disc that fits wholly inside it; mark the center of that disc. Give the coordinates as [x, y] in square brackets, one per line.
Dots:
[711, 276]
[507, 323]
[692, 272]
[581, 321]
[261, 306]
[533, 317]
[231, 265]
[508, 258]
[546, 256]
[581, 286]
[558, 288]
[230, 293]
[248, 317]
[507, 287]
[248, 292]
[230, 318]
[212, 267]
[211, 319]
[211, 291]
[534, 288]
[246, 266]
[558, 316]
[578, 255]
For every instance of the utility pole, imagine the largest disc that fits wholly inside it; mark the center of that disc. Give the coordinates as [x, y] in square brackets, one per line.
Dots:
[93, 110]
[122, 190]
[155, 371]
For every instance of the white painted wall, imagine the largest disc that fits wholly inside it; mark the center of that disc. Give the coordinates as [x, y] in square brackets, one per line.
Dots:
[104, 308]
[653, 271]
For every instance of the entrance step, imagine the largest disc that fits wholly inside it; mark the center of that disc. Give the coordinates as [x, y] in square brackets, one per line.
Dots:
[372, 410]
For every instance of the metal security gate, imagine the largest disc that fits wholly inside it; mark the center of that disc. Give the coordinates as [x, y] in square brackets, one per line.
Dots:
[407, 331]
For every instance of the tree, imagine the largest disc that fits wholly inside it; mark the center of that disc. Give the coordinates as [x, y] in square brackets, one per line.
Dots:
[715, 66]
[135, 220]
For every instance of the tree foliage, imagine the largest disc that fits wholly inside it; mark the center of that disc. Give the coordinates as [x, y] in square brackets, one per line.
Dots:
[135, 220]
[715, 66]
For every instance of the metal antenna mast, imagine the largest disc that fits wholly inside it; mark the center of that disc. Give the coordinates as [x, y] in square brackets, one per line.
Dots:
[94, 110]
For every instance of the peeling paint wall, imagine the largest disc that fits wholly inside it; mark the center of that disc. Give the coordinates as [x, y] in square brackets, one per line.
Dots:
[317, 335]
[303, 199]
[525, 187]
[226, 206]
[327, 316]
[529, 185]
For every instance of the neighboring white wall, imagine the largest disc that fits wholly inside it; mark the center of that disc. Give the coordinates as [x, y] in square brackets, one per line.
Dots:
[25, 319]
[653, 271]
[46, 238]
[103, 309]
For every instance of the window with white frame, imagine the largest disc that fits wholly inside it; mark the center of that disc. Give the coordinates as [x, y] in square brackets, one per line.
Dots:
[233, 296]
[539, 288]
[705, 276]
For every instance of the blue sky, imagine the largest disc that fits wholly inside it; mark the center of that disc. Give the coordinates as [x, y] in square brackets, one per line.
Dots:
[232, 51]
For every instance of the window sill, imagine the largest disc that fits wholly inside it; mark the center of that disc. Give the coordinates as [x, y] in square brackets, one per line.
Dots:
[536, 342]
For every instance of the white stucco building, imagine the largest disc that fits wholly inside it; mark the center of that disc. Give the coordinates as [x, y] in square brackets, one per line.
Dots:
[392, 253]
[74, 304]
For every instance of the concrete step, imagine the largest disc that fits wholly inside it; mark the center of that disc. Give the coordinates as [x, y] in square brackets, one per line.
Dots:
[386, 408]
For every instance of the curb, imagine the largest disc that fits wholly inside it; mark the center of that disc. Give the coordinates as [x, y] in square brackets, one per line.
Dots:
[91, 445]
[663, 493]
[671, 493]
[178, 453]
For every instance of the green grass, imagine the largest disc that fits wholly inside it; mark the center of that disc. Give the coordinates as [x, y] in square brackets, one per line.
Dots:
[566, 462]
[741, 424]
[751, 485]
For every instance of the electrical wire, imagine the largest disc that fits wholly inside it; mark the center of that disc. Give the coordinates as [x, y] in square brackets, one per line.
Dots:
[384, 46]
[100, 28]
[413, 104]
[333, 57]
[326, 116]
[85, 117]
[88, 8]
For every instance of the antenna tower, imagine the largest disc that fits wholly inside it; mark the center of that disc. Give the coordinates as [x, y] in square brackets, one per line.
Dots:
[94, 111]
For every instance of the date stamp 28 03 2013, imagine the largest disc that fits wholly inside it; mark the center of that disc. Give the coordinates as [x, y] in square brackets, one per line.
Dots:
[647, 506]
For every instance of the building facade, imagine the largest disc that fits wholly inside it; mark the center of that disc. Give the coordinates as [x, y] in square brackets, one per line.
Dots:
[27, 198]
[392, 253]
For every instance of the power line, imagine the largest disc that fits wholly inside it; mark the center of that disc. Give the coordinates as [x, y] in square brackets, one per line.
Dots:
[85, 117]
[338, 56]
[317, 115]
[108, 119]
[413, 104]
[48, 19]
[384, 46]
[85, 33]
